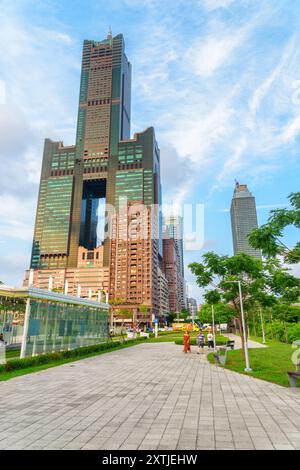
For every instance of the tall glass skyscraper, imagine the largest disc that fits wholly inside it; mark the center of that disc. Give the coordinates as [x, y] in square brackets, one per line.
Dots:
[104, 164]
[173, 230]
[243, 220]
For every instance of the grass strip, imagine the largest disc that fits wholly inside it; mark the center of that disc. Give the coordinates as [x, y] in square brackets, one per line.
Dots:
[270, 364]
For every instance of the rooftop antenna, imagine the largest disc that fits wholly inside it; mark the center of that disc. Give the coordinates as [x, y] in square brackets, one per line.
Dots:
[236, 183]
[109, 36]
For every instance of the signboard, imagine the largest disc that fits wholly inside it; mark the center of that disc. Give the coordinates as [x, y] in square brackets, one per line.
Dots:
[182, 326]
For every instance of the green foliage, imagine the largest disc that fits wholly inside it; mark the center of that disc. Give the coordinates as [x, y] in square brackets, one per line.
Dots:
[262, 282]
[223, 313]
[212, 297]
[268, 236]
[171, 317]
[184, 314]
[224, 271]
[265, 284]
[143, 310]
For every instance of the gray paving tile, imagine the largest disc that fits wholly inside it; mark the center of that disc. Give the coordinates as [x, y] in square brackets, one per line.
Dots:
[113, 402]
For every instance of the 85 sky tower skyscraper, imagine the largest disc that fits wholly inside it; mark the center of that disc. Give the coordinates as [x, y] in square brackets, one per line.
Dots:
[104, 166]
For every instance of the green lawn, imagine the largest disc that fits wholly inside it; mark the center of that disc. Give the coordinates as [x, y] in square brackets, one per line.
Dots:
[270, 364]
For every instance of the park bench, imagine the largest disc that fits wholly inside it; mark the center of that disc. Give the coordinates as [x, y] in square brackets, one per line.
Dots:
[230, 344]
[220, 358]
[294, 376]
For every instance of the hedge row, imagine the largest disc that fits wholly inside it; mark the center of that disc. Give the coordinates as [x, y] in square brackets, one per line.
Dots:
[49, 358]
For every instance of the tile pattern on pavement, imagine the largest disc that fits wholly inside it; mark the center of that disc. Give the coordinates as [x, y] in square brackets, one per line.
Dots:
[238, 342]
[150, 396]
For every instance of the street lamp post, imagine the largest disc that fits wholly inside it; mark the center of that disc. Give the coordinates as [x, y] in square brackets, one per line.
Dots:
[213, 324]
[247, 369]
[262, 326]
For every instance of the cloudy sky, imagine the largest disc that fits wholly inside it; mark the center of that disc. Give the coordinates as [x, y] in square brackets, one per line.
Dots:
[219, 80]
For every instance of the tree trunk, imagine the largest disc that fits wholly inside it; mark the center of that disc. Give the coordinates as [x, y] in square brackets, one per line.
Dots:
[285, 332]
[254, 324]
[271, 323]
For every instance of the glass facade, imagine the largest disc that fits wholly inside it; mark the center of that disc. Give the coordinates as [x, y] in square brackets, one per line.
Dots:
[52, 325]
[58, 326]
[55, 231]
[12, 314]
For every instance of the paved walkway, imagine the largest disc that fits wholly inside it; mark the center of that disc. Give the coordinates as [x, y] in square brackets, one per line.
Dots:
[150, 396]
[238, 342]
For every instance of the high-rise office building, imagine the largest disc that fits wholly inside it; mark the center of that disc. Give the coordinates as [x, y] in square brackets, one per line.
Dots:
[192, 307]
[243, 220]
[173, 229]
[163, 293]
[105, 165]
[171, 268]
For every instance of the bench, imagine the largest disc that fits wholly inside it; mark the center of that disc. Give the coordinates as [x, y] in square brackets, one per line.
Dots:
[144, 335]
[230, 344]
[293, 378]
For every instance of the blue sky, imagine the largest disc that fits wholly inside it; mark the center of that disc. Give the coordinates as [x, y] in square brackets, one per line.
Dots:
[218, 79]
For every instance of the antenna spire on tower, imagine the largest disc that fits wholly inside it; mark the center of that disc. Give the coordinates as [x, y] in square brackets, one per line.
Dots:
[109, 36]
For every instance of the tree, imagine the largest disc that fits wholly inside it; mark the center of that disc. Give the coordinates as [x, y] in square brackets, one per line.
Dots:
[184, 314]
[143, 310]
[268, 236]
[171, 317]
[223, 313]
[124, 314]
[257, 278]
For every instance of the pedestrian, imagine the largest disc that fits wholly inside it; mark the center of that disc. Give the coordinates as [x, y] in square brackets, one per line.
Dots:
[2, 349]
[210, 341]
[200, 342]
[186, 342]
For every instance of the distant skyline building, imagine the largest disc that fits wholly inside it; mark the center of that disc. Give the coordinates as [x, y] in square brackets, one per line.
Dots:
[163, 292]
[243, 220]
[171, 268]
[192, 307]
[105, 164]
[173, 229]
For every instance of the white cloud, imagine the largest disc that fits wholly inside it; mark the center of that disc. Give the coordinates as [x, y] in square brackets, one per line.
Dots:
[17, 217]
[290, 130]
[215, 4]
[57, 36]
[206, 56]
[265, 87]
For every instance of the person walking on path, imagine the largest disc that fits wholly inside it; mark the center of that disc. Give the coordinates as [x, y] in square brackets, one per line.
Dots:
[186, 342]
[200, 342]
[210, 341]
[2, 349]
